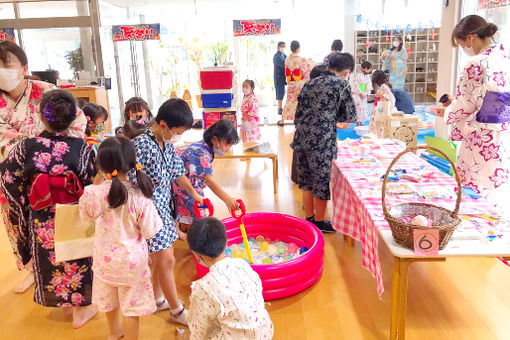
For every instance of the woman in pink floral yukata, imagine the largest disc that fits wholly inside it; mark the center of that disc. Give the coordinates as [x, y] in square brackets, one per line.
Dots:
[480, 113]
[39, 173]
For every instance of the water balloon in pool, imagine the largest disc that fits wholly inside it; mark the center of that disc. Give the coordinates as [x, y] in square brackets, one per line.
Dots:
[266, 251]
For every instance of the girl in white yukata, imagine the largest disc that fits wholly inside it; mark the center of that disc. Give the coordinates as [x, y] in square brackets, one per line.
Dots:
[226, 303]
[361, 88]
[125, 217]
[480, 114]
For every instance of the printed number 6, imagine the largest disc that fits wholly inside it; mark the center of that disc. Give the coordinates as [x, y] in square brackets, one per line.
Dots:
[424, 243]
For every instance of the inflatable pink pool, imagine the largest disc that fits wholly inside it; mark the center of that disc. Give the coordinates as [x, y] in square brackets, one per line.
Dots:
[280, 280]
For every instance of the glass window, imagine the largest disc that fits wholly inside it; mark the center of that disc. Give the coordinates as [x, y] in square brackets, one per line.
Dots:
[49, 9]
[51, 49]
[7, 11]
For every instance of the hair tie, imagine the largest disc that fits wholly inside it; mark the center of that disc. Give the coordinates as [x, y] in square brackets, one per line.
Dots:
[113, 174]
[48, 112]
[138, 167]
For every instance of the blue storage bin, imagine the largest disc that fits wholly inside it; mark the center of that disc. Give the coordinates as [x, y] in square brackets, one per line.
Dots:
[216, 100]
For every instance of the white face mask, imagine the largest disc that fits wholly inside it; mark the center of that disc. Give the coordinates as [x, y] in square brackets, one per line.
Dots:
[174, 139]
[281, 49]
[246, 91]
[9, 79]
[469, 51]
[396, 43]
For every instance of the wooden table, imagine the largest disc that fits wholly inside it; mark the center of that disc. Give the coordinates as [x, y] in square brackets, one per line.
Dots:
[239, 152]
[462, 244]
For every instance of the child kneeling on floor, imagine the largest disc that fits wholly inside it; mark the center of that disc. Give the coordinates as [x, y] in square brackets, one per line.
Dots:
[322, 103]
[227, 302]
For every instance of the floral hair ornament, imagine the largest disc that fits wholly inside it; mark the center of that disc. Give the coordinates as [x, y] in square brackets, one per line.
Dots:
[113, 174]
[48, 112]
[138, 167]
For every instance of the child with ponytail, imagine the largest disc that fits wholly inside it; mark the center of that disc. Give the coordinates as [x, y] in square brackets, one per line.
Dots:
[125, 217]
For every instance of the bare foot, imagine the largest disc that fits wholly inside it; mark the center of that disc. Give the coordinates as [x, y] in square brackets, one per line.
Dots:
[68, 310]
[27, 282]
[81, 315]
[116, 336]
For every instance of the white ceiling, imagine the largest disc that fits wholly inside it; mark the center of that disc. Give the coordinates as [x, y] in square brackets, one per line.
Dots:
[218, 7]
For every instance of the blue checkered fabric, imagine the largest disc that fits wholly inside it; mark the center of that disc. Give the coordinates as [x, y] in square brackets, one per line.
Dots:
[163, 167]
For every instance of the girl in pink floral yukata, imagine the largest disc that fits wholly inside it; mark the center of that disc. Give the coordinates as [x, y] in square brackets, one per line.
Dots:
[480, 114]
[125, 217]
[250, 131]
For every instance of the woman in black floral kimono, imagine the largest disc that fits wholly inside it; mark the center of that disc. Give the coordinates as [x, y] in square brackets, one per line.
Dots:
[38, 173]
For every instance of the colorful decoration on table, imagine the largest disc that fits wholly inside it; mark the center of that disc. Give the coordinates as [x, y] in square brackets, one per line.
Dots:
[257, 27]
[367, 43]
[359, 18]
[420, 27]
[490, 4]
[136, 32]
[409, 29]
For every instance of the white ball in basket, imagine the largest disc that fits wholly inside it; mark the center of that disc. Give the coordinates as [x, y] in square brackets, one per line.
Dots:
[421, 221]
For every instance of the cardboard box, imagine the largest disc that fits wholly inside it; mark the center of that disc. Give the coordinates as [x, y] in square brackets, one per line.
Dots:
[403, 128]
[211, 116]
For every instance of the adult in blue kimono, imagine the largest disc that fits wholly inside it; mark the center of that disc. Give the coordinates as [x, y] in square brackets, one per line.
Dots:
[279, 74]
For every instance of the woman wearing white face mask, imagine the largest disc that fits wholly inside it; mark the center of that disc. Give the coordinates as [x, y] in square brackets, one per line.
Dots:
[480, 114]
[20, 119]
[395, 60]
[19, 100]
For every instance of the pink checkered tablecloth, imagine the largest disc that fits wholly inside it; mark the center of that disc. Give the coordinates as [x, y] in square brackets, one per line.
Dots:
[356, 196]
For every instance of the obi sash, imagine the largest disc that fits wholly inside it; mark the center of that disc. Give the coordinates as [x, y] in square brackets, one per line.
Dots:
[495, 108]
[48, 190]
[293, 75]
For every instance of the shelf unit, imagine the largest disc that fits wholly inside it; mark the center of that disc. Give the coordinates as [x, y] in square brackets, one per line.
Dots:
[421, 77]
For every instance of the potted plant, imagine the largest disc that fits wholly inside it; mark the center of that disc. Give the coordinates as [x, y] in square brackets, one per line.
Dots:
[75, 60]
[220, 53]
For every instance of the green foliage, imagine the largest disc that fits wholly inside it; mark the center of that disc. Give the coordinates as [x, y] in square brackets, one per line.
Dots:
[75, 60]
[220, 52]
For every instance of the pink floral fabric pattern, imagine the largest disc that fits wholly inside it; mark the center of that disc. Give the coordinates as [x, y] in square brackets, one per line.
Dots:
[21, 121]
[122, 276]
[484, 155]
[295, 64]
[120, 252]
[197, 159]
[250, 131]
[32, 232]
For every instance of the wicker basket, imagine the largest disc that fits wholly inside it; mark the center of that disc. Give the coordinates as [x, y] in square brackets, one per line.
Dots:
[444, 220]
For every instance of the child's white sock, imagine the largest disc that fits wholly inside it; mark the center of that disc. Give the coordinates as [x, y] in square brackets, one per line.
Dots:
[160, 300]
